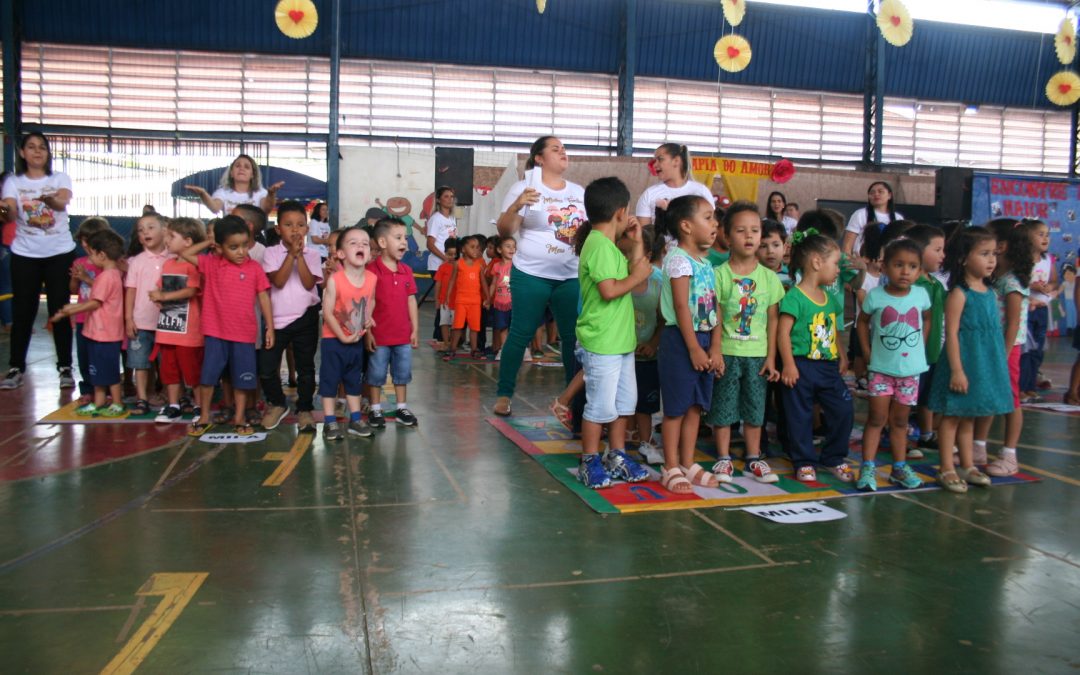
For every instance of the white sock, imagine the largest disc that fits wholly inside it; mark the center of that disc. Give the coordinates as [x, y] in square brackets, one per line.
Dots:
[402, 406]
[376, 406]
[980, 444]
[1008, 453]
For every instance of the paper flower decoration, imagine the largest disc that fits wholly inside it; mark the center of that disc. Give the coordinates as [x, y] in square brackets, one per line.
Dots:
[541, 5]
[732, 53]
[296, 18]
[894, 22]
[1063, 88]
[734, 11]
[782, 171]
[652, 166]
[1065, 41]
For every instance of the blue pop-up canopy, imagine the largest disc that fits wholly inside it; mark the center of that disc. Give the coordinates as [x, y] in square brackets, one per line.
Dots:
[297, 186]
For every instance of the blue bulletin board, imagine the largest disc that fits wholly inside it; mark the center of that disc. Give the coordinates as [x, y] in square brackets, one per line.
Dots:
[1055, 202]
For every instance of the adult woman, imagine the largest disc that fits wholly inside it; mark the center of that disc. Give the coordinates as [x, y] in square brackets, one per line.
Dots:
[775, 206]
[442, 225]
[879, 209]
[544, 215]
[319, 229]
[240, 184]
[36, 198]
[671, 162]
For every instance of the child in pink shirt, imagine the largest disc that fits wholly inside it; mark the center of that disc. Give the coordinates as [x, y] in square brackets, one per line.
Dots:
[141, 313]
[103, 328]
[232, 283]
[83, 273]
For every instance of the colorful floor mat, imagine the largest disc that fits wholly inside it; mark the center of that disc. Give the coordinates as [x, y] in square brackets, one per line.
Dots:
[546, 441]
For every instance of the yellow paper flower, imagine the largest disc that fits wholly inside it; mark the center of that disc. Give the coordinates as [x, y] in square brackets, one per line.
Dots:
[1065, 41]
[734, 11]
[1063, 88]
[895, 23]
[296, 18]
[732, 53]
[541, 5]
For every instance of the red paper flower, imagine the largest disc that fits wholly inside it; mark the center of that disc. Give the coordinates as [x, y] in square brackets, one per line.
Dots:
[782, 171]
[723, 202]
[652, 166]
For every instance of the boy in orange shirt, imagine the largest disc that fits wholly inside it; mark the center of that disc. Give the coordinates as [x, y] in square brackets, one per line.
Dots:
[468, 295]
[442, 297]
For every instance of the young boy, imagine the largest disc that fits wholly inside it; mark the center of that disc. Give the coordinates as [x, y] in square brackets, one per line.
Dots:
[719, 253]
[932, 239]
[347, 307]
[104, 326]
[294, 270]
[396, 330]
[256, 222]
[141, 313]
[83, 273]
[771, 251]
[468, 295]
[179, 329]
[442, 285]
[232, 284]
[605, 331]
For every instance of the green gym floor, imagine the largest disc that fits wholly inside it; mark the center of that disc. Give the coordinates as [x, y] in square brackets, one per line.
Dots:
[446, 549]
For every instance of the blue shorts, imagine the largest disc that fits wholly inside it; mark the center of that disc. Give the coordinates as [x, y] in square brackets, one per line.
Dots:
[500, 319]
[104, 359]
[398, 359]
[924, 385]
[139, 350]
[238, 356]
[682, 387]
[648, 387]
[341, 364]
[610, 386]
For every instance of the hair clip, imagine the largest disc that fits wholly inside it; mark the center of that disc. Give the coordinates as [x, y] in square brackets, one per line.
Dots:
[799, 237]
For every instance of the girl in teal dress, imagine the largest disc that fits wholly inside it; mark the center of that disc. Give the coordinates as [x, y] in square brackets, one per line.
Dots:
[973, 381]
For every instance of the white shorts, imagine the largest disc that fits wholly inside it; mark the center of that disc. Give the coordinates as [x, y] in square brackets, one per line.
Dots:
[446, 316]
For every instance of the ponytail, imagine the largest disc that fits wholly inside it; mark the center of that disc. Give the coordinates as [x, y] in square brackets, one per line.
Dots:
[680, 151]
[580, 236]
[809, 242]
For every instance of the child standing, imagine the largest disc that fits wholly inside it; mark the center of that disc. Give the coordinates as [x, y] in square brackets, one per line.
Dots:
[972, 329]
[813, 361]
[748, 294]
[83, 273]
[689, 353]
[442, 297]
[932, 241]
[347, 307]
[871, 258]
[232, 285]
[499, 292]
[1044, 286]
[141, 313]
[104, 325]
[648, 324]
[293, 269]
[771, 251]
[605, 331]
[468, 294]
[891, 329]
[396, 330]
[179, 328]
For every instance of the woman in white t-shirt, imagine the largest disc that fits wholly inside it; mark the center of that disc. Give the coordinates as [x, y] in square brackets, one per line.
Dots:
[671, 162]
[319, 229]
[36, 199]
[442, 225]
[775, 206]
[241, 183]
[879, 208]
[543, 212]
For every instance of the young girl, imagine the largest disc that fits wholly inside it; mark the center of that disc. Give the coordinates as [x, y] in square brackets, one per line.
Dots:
[973, 329]
[83, 273]
[605, 331]
[871, 257]
[689, 353]
[890, 329]
[812, 359]
[1044, 287]
[747, 293]
[468, 294]
[499, 292]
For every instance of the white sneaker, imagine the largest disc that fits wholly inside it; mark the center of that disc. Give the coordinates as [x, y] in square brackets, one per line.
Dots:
[13, 379]
[650, 453]
[498, 355]
[760, 470]
[528, 356]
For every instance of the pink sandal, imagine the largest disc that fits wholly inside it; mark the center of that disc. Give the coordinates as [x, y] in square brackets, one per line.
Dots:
[563, 414]
[700, 477]
[675, 481]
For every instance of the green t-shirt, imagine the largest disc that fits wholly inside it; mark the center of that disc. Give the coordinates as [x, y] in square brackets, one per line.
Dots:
[835, 290]
[744, 306]
[645, 305]
[815, 330]
[716, 258]
[702, 292]
[935, 335]
[604, 326]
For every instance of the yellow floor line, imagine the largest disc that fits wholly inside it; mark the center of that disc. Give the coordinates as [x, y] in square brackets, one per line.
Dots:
[289, 461]
[1050, 474]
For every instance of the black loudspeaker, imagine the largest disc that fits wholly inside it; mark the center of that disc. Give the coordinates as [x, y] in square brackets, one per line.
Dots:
[454, 167]
[952, 194]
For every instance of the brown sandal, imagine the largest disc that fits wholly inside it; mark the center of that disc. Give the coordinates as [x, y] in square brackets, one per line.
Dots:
[502, 406]
[700, 477]
[674, 481]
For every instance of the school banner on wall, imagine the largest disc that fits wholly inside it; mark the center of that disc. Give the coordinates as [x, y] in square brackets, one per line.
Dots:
[1057, 203]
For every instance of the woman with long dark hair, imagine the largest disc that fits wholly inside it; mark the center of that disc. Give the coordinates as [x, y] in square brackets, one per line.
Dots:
[879, 209]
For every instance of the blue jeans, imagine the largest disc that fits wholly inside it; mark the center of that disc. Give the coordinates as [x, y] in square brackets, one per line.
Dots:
[1031, 360]
[610, 386]
[398, 359]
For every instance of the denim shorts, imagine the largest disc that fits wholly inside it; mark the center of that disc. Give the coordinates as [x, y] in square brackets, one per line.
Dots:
[610, 386]
[398, 359]
[139, 349]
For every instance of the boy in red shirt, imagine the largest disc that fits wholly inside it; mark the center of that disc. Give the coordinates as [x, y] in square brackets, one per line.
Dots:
[468, 294]
[442, 285]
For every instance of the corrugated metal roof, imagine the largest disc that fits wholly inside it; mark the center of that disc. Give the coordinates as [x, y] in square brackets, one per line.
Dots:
[793, 47]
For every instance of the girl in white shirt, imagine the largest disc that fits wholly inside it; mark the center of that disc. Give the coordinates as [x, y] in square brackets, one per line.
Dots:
[671, 162]
[240, 184]
[879, 208]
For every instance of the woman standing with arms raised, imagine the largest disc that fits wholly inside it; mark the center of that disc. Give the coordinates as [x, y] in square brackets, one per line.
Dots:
[36, 199]
[543, 214]
[671, 162]
[241, 183]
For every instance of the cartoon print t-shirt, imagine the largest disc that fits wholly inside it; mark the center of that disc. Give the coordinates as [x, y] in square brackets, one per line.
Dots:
[814, 333]
[745, 300]
[40, 232]
[896, 331]
[703, 315]
[352, 304]
[546, 240]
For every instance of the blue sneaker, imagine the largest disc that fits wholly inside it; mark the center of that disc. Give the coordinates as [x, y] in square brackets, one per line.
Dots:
[592, 474]
[867, 478]
[904, 475]
[621, 467]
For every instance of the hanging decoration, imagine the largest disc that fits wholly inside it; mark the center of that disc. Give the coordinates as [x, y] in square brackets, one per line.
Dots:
[734, 11]
[541, 5]
[894, 22]
[1065, 41]
[1063, 88]
[740, 176]
[732, 53]
[296, 18]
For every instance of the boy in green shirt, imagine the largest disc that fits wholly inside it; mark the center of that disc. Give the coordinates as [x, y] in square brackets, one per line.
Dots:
[932, 239]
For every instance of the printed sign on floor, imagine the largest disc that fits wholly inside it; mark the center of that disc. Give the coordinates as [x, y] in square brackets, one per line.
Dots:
[233, 438]
[798, 512]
